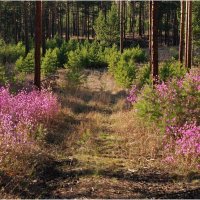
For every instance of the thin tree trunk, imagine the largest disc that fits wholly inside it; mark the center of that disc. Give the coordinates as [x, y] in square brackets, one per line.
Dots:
[124, 20]
[167, 17]
[175, 29]
[38, 37]
[133, 18]
[140, 19]
[88, 23]
[143, 18]
[182, 27]
[189, 54]
[67, 23]
[15, 26]
[150, 32]
[186, 36]
[155, 41]
[121, 26]
[43, 29]
[93, 20]
[53, 16]
[26, 28]
[77, 18]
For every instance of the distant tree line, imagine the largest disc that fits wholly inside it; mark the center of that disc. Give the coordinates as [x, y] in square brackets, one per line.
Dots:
[112, 22]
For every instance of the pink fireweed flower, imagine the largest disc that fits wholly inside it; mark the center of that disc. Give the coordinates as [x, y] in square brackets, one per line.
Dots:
[186, 139]
[132, 94]
[162, 89]
[21, 114]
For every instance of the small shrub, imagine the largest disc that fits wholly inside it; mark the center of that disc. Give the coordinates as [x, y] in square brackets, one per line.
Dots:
[62, 55]
[143, 76]
[139, 55]
[175, 101]
[50, 62]
[22, 114]
[3, 78]
[56, 42]
[182, 144]
[125, 72]
[174, 53]
[75, 69]
[86, 56]
[171, 69]
[72, 45]
[9, 53]
[75, 77]
[25, 64]
[174, 107]
[112, 57]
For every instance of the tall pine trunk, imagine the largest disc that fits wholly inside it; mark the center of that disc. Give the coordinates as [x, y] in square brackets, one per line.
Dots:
[186, 36]
[67, 23]
[38, 37]
[150, 32]
[121, 26]
[140, 19]
[155, 41]
[77, 18]
[43, 29]
[26, 28]
[189, 53]
[182, 27]
[133, 18]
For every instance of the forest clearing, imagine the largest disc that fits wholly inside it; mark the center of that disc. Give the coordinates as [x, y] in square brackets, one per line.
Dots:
[99, 100]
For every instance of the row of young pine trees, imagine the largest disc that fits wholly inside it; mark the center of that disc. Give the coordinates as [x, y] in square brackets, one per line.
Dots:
[185, 44]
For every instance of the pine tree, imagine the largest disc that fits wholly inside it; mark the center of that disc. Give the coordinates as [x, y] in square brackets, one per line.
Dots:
[154, 49]
[182, 27]
[38, 37]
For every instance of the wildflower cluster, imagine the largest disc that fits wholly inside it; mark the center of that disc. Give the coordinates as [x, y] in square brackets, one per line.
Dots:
[21, 114]
[185, 140]
[174, 107]
[132, 95]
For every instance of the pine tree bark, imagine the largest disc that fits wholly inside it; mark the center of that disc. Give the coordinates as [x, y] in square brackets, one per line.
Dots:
[124, 19]
[53, 16]
[133, 19]
[121, 26]
[38, 37]
[26, 28]
[88, 23]
[140, 19]
[182, 27]
[43, 29]
[186, 36]
[167, 29]
[143, 18]
[67, 23]
[175, 29]
[150, 33]
[189, 53]
[155, 41]
[77, 20]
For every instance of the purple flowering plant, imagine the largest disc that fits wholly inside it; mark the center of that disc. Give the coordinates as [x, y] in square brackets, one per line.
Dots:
[21, 114]
[174, 107]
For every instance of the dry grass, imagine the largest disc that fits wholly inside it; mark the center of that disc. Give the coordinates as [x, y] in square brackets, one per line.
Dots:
[99, 124]
[97, 127]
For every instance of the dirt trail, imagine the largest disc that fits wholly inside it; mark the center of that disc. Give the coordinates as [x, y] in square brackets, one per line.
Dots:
[88, 159]
[100, 168]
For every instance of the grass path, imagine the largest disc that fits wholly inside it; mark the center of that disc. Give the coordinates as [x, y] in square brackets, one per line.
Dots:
[108, 161]
[97, 149]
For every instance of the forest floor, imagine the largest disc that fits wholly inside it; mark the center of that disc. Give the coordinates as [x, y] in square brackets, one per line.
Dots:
[98, 149]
